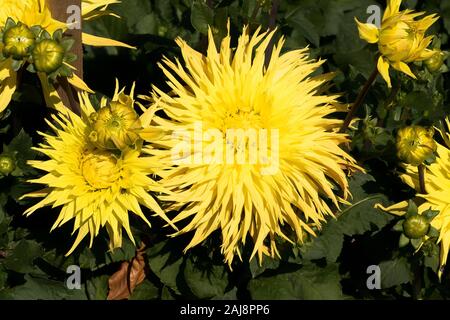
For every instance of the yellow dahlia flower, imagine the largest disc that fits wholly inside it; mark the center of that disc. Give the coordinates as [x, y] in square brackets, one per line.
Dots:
[401, 38]
[415, 144]
[95, 188]
[437, 181]
[251, 150]
[37, 13]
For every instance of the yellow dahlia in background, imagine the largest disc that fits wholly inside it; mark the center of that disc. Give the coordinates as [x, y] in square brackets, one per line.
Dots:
[283, 177]
[401, 38]
[95, 188]
[437, 181]
[415, 144]
[37, 13]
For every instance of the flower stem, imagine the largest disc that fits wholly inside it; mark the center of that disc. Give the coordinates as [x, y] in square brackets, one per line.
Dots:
[421, 169]
[359, 100]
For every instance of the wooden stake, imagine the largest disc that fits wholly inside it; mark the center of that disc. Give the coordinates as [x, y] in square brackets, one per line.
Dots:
[59, 10]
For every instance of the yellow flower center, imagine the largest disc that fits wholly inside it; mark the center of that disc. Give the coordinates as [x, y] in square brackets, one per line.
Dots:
[243, 118]
[100, 169]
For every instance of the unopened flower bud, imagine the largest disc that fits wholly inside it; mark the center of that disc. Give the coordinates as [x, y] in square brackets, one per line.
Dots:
[415, 144]
[7, 164]
[416, 226]
[48, 56]
[436, 61]
[18, 41]
[114, 126]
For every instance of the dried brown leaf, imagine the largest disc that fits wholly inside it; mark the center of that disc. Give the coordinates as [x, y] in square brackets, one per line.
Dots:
[128, 277]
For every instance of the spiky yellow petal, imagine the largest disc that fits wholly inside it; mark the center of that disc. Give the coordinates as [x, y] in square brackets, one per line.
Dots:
[383, 68]
[367, 31]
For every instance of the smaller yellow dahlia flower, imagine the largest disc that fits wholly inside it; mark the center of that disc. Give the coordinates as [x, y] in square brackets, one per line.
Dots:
[116, 124]
[415, 144]
[437, 181]
[401, 38]
[95, 188]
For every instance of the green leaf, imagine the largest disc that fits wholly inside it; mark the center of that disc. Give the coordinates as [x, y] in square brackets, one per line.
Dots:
[202, 16]
[395, 272]
[21, 258]
[355, 219]
[205, 280]
[308, 283]
[97, 288]
[165, 264]
[230, 295]
[432, 262]
[301, 22]
[42, 289]
[267, 263]
[21, 146]
[145, 291]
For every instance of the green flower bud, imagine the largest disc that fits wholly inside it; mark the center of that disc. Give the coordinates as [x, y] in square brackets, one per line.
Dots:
[114, 126]
[416, 227]
[48, 56]
[18, 41]
[7, 164]
[434, 63]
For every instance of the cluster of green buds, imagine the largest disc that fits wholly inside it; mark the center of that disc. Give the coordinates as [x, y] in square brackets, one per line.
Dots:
[416, 227]
[415, 145]
[116, 125]
[35, 47]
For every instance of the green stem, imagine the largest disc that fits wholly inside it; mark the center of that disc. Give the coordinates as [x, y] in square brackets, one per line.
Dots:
[359, 100]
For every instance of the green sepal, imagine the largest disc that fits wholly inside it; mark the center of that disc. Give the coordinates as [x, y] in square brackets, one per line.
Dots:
[416, 243]
[398, 226]
[412, 209]
[403, 241]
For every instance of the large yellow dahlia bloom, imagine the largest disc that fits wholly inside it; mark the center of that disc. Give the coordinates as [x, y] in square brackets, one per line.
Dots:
[401, 38]
[95, 188]
[437, 182]
[251, 150]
